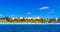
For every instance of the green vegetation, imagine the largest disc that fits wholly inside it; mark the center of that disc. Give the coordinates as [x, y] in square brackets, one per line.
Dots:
[23, 20]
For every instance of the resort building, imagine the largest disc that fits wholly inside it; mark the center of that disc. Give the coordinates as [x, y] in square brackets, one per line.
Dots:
[14, 18]
[36, 18]
[28, 18]
[32, 18]
[21, 17]
[56, 18]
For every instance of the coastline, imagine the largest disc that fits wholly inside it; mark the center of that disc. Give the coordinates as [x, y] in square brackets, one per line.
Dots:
[29, 23]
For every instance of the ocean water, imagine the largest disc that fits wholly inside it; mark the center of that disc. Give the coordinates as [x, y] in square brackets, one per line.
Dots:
[29, 27]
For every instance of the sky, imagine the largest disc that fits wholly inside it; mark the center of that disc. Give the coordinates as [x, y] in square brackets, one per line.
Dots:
[30, 8]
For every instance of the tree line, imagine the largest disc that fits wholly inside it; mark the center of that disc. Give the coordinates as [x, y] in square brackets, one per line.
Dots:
[18, 20]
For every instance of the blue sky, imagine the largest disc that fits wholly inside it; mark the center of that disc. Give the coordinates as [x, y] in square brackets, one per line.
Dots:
[25, 8]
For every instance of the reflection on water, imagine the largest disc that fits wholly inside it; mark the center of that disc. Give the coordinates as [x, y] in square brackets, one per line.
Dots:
[29, 28]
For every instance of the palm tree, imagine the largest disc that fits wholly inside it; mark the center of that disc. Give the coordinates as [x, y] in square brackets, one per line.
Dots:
[8, 19]
[42, 20]
[52, 20]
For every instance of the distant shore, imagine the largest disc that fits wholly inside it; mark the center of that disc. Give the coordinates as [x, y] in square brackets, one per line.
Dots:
[29, 23]
[28, 20]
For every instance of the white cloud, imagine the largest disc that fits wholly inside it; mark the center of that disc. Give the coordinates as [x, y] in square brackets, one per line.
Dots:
[50, 10]
[43, 8]
[28, 13]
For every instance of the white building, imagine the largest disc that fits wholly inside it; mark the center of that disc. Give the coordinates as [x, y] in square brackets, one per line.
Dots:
[28, 18]
[37, 17]
[21, 17]
[14, 18]
[56, 18]
[32, 18]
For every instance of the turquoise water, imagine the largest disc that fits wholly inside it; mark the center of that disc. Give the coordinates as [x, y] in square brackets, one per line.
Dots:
[29, 28]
